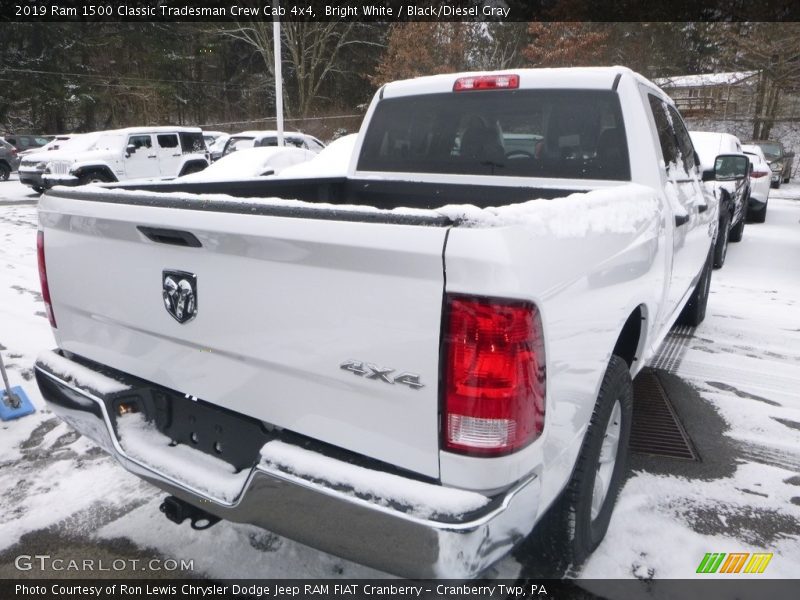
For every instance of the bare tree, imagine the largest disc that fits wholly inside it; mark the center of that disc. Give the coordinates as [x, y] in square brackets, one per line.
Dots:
[312, 53]
[772, 49]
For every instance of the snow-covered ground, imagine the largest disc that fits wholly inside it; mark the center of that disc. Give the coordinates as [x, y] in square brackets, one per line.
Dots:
[60, 492]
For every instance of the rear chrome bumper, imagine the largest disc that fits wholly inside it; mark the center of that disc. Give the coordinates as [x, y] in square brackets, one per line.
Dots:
[320, 515]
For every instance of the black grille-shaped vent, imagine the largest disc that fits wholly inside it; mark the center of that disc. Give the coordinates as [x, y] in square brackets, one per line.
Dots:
[656, 429]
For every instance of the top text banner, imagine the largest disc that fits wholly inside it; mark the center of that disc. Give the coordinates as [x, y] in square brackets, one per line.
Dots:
[397, 10]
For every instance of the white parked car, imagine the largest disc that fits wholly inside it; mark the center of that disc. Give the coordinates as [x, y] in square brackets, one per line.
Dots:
[760, 176]
[412, 365]
[333, 161]
[34, 162]
[249, 163]
[217, 146]
[132, 153]
[258, 139]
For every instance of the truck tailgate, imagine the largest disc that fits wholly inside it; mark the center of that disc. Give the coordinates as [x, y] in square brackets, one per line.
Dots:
[281, 304]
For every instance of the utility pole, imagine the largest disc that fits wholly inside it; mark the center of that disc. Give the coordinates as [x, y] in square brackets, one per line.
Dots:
[276, 35]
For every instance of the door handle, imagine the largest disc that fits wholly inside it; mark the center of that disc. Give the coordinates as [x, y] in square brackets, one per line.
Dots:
[681, 220]
[176, 155]
[701, 208]
[152, 156]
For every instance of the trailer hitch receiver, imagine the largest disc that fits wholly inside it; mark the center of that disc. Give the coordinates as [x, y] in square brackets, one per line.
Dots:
[177, 511]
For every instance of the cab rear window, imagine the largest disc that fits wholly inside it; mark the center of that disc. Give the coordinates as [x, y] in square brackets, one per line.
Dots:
[576, 134]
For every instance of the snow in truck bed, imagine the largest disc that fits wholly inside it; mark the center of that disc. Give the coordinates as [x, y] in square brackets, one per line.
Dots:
[617, 209]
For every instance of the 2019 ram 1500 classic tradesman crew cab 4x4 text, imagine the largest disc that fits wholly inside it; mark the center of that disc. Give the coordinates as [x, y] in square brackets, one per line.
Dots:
[382, 365]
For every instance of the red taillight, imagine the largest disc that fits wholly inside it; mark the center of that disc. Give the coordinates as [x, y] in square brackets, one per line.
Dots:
[759, 174]
[43, 278]
[486, 82]
[494, 376]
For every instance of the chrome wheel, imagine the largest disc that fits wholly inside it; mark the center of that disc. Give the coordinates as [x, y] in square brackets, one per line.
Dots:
[607, 460]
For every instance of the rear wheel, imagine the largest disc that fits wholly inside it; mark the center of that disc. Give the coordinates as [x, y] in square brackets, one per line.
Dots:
[579, 520]
[759, 216]
[5, 172]
[738, 230]
[695, 310]
[721, 246]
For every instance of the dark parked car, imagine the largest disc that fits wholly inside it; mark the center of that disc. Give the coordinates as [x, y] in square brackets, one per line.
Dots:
[733, 192]
[26, 142]
[780, 160]
[9, 159]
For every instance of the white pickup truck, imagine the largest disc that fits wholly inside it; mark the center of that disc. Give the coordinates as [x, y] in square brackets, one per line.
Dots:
[409, 366]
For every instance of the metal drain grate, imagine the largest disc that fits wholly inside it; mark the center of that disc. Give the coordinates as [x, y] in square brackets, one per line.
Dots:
[656, 429]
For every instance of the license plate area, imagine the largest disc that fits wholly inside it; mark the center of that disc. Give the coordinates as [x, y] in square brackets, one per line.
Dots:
[227, 435]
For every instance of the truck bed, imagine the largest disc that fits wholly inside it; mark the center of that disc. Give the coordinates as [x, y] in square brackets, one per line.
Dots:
[384, 194]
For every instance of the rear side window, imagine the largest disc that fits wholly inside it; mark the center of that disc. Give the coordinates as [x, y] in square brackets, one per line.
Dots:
[294, 142]
[314, 144]
[666, 134]
[238, 143]
[169, 140]
[576, 134]
[673, 137]
[684, 140]
[192, 142]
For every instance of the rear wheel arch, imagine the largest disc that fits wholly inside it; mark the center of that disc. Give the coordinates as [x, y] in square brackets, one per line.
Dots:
[630, 341]
[192, 166]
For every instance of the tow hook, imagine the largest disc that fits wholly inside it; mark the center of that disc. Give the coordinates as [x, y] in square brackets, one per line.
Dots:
[177, 511]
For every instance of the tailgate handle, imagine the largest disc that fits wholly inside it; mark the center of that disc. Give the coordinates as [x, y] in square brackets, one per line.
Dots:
[173, 237]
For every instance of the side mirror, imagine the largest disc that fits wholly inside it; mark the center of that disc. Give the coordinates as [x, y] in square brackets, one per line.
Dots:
[728, 167]
[130, 149]
[789, 154]
[709, 175]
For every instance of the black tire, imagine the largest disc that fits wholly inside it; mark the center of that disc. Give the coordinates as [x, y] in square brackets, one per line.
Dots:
[695, 310]
[777, 184]
[759, 216]
[38, 189]
[737, 230]
[5, 172]
[93, 177]
[786, 180]
[721, 246]
[570, 525]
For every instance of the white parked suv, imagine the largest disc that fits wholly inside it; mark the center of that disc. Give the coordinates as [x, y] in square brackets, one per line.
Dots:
[132, 153]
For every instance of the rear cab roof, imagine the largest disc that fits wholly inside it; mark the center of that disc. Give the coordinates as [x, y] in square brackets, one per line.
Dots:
[586, 78]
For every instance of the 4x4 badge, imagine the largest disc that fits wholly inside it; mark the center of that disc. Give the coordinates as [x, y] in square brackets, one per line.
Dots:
[179, 290]
[370, 371]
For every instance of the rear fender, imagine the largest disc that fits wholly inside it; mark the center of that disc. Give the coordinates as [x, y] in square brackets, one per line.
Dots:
[191, 164]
